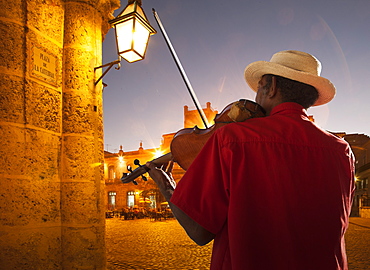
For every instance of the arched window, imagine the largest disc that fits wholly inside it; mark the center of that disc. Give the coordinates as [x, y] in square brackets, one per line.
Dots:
[111, 173]
[112, 200]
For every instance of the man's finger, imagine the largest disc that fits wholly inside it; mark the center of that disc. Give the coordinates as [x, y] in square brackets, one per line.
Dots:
[170, 167]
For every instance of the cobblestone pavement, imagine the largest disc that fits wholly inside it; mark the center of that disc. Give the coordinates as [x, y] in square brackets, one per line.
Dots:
[144, 244]
[358, 244]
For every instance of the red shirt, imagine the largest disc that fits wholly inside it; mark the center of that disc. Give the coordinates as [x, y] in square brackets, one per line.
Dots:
[276, 191]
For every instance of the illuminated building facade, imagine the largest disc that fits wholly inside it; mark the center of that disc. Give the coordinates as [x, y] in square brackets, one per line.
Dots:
[360, 145]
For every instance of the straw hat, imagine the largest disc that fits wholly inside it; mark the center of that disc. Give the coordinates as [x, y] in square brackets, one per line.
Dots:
[294, 65]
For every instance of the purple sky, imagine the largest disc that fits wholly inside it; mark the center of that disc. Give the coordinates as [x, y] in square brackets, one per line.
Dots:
[215, 40]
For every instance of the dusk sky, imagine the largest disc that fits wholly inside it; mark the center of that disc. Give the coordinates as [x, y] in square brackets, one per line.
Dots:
[215, 40]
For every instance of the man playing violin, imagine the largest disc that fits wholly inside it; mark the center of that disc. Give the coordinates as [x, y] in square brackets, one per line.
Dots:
[274, 193]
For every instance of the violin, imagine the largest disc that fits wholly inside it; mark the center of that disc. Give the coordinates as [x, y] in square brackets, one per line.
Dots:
[187, 142]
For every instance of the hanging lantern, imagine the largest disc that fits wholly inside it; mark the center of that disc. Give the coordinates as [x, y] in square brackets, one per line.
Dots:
[132, 32]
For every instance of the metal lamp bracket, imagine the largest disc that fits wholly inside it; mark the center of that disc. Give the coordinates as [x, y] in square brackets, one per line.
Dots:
[109, 65]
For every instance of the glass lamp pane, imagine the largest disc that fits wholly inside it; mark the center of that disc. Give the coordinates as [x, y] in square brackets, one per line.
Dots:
[141, 37]
[124, 34]
[131, 56]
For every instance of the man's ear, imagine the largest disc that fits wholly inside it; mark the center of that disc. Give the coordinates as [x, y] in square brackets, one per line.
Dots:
[273, 89]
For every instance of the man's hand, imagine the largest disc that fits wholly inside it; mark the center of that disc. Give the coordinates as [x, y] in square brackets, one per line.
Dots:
[163, 178]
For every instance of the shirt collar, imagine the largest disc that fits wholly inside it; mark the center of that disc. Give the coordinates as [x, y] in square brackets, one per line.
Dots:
[289, 108]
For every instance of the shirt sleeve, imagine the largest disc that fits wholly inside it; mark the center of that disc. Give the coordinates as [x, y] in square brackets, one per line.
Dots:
[203, 192]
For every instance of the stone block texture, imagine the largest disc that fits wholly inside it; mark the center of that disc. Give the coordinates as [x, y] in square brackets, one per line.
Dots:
[51, 130]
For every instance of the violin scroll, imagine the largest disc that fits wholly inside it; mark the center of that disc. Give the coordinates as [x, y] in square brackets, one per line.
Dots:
[132, 175]
[141, 169]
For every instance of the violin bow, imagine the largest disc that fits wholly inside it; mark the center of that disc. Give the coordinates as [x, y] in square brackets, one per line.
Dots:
[181, 69]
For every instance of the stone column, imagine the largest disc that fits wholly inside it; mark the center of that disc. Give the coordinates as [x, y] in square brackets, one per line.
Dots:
[51, 149]
[30, 131]
[82, 181]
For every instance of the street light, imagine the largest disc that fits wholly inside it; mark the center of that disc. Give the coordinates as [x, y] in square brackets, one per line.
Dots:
[132, 31]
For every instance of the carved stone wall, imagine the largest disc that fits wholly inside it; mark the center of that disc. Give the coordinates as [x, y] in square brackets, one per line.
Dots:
[51, 150]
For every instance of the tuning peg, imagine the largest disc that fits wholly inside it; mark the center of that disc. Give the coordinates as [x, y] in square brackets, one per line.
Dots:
[137, 163]
[125, 176]
[130, 177]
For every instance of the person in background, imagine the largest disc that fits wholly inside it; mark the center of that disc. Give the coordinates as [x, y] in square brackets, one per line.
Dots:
[274, 193]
